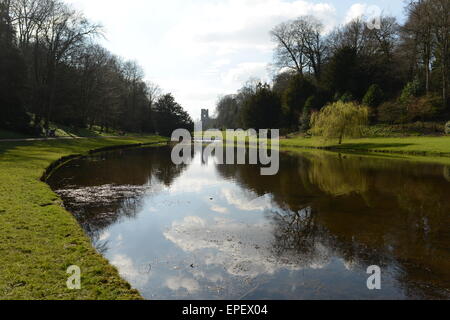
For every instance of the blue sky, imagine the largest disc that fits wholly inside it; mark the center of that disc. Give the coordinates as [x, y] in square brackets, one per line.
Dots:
[202, 49]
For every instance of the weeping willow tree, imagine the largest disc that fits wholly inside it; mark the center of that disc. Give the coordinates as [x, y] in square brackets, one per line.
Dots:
[336, 176]
[340, 120]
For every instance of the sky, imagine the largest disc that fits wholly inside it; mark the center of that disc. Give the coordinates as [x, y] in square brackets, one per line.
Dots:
[199, 50]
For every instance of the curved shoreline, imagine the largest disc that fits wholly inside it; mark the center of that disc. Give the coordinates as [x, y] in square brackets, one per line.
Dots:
[39, 239]
[64, 160]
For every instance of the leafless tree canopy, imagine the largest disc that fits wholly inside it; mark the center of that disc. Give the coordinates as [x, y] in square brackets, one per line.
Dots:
[65, 76]
[300, 45]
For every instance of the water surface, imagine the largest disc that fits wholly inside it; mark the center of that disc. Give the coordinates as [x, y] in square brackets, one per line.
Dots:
[208, 231]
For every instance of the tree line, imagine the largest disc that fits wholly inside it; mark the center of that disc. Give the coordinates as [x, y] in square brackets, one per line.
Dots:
[399, 71]
[52, 70]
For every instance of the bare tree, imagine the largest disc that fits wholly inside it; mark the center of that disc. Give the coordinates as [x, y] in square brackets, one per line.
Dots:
[49, 32]
[29, 16]
[352, 35]
[428, 30]
[418, 29]
[300, 45]
[154, 92]
[440, 10]
[290, 51]
[5, 21]
[63, 32]
[367, 42]
[386, 37]
[311, 29]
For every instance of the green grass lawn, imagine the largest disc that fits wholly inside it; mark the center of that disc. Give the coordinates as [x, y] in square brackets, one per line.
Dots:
[39, 239]
[414, 145]
[433, 146]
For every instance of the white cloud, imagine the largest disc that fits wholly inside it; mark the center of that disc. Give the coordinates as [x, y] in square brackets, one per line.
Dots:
[244, 250]
[177, 283]
[104, 236]
[219, 209]
[215, 66]
[130, 271]
[224, 27]
[242, 202]
[356, 11]
[243, 71]
[191, 184]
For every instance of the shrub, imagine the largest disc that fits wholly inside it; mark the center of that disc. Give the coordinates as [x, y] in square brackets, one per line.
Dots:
[373, 97]
[447, 128]
[339, 120]
[392, 112]
[411, 109]
[423, 108]
[412, 89]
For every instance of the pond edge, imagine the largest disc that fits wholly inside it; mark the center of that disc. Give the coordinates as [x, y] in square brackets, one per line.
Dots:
[64, 160]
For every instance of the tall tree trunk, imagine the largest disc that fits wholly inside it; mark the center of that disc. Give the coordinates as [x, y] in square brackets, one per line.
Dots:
[444, 88]
[445, 58]
[427, 68]
[51, 91]
[341, 137]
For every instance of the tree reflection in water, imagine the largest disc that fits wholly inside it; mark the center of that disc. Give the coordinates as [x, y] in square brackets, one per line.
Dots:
[364, 210]
[110, 187]
[392, 213]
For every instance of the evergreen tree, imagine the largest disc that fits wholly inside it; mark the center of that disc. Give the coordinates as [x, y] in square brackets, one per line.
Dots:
[263, 109]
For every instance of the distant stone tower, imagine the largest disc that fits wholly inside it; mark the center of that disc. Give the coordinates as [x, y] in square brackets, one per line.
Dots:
[206, 121]
[205, 116]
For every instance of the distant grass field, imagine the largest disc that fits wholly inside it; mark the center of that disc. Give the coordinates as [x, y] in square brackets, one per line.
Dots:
[39, 239]
[414, 145]
[432, 146]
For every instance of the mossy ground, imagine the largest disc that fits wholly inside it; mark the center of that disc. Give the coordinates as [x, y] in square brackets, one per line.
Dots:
[39, 239]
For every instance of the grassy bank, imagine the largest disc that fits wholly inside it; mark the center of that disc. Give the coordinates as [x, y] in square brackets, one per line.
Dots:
[429, 146]
[39, 239]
